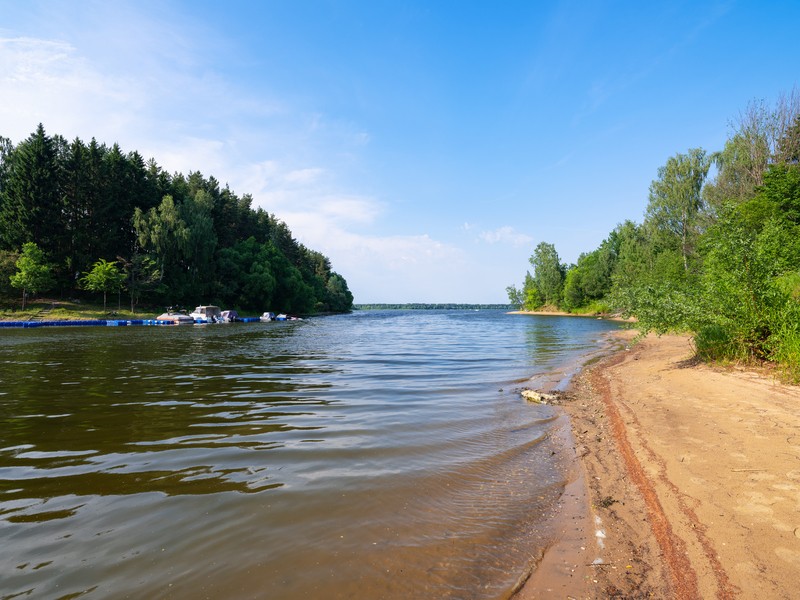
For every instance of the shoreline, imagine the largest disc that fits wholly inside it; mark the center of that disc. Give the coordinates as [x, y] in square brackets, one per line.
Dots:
[691, 481]
[561, 313]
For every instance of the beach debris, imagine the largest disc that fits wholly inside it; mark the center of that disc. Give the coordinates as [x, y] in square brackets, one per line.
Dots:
[542, 397]
[598, 562]
[607, 502]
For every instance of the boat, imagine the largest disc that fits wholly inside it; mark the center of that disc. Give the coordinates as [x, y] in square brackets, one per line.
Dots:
[171, 318]
[206, 314]
[267, 317]
[284, 317]
[228, 316]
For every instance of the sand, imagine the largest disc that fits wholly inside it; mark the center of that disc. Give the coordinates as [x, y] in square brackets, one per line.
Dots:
[687, 482]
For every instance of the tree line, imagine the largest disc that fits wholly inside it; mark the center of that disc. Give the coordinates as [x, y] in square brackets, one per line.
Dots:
[96, 219]
[717, 253]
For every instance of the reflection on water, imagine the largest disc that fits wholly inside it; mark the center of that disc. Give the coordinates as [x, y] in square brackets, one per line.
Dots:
[379, 454]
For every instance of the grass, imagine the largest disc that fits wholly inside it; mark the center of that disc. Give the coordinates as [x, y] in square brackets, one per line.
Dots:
[64, 310]
[597, 307]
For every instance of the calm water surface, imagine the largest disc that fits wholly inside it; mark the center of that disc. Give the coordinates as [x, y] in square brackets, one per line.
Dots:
[372, 455]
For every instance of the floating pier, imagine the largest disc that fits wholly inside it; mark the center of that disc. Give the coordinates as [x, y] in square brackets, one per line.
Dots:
[104, 322]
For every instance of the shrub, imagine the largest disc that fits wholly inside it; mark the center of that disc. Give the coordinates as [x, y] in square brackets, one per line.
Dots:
[713, 342]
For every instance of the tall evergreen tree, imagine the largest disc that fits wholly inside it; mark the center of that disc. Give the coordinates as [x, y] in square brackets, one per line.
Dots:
[31, 210]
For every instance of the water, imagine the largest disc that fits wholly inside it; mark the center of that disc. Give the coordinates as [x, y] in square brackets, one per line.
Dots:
[373, 455]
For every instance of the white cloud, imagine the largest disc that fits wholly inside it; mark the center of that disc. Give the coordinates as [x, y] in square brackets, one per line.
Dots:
[408, 268]
[350, 209]
[304, 176]
[48, 81]
[505, 235]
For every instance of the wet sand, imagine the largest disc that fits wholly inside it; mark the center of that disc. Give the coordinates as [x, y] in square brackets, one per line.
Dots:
[687, 482]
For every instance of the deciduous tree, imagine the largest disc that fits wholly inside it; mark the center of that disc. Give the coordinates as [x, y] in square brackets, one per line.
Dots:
[676, 201]
[104, 277]
[34, 274]
[548, 273]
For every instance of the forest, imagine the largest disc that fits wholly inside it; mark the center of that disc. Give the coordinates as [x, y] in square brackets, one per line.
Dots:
[717, 254]
[82, 220]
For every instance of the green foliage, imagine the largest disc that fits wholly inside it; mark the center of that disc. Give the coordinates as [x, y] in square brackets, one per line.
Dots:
[786, 342]
[33, 272]
[782, 189]
[548, 275]
[596, 307]
[515, 296]
[30, 209]
[591, 279]
[789, 284]
[141, 275]
[574, 296]
[663, 307]
[713, 343]
[8, 266]
[676, 201]
[531, 299]
[339, 298]
[789, 145]
[104, 277]
[751, 272]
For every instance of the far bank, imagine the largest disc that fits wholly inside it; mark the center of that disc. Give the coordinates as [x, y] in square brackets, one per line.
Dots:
[559, 313]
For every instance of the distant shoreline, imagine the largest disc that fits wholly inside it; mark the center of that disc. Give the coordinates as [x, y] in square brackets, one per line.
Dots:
[560, 313]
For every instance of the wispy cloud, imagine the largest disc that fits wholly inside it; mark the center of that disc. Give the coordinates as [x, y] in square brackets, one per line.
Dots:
[505, 235]
[47, 80]
[397, 268]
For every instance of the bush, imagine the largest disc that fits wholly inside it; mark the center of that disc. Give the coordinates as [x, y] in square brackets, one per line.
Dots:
[713, 342]
[785, 342]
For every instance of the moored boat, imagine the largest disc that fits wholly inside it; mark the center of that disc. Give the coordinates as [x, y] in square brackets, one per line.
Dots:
[228, 316]
[267, 317]
[170, 318]
[206, 314]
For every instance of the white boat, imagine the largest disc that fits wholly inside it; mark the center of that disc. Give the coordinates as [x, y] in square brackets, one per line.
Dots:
[228, 316]
[267, 317]
[206, 314]
[170, 318]
[281, 317]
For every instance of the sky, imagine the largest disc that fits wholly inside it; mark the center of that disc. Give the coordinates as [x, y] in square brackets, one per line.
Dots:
[425, 147]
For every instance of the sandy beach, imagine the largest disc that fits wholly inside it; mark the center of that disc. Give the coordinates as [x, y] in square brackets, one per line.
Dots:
[687, 481]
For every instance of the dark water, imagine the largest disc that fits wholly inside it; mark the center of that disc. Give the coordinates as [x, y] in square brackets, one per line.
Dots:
[372, 455]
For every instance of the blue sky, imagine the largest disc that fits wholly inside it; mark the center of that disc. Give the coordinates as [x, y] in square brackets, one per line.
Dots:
[425, 147]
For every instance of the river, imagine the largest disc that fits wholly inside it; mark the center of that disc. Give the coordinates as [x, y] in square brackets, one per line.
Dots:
[381, 454]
